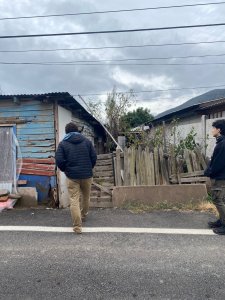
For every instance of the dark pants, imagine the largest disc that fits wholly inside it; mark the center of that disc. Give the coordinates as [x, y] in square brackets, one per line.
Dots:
[218, 197]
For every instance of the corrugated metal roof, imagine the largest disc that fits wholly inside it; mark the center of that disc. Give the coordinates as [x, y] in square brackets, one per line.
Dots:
[193, 102]
[64, 98]
[33, 95]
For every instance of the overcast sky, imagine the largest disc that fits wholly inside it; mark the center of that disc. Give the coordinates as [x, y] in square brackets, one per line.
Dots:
[20, 79]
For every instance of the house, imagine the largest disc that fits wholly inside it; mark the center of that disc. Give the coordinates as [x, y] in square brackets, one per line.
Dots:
[38, 122]
[198, 113]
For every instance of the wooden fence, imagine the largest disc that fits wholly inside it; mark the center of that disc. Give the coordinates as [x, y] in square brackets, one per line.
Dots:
[145, 167]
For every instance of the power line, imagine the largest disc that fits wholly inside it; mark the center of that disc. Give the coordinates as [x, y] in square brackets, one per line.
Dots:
[140, 100]
[111, 64]
[111, 47]
[111, 31]
[132, 59]
[154, 91]
[112, 11]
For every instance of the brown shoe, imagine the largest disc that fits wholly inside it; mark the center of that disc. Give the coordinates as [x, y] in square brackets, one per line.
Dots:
[77, 230]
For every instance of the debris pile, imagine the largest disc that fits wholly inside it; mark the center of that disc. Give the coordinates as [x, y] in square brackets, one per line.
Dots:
[7, 200]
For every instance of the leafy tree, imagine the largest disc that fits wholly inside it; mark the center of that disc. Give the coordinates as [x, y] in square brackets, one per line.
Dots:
[116, 107]
[137, 117]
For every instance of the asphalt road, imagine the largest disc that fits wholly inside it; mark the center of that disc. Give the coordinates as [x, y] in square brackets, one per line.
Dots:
[40, 265]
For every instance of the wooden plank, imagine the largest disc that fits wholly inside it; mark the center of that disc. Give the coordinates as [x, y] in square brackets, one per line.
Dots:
[28, 114]
[201, 158]
[147, 166]
[156, 166]
[40, 143]
[39, 160]
[151, 169]
[197, 173]
[143, 168]
[30, 137]
[102, 188]
[28, 131]
[132, 166]
[188, 161]
[103, 168]
[115, 172]
[104, 179]
[101, 204]
[137, 163]
[103, 173]
[33, 166]
[126, 167]
[35, 125]
[37, 172]
[194, 179]
[21, 182]
[39, 155]
[129, 163]
[35, 106]
[104, 156]
[173, 160]
[165, 179]
[107, 198]
[36, 149]
[118, 167]
[104, 162]
[195, 162]
[23, 103]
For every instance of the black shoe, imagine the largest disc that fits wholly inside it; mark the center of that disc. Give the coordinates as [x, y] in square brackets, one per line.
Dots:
[220, 230]
[216, 224]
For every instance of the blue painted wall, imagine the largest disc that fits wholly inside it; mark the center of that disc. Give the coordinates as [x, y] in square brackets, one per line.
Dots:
[37, 136]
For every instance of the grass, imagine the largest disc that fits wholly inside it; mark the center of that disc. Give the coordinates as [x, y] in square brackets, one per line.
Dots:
[203, 206]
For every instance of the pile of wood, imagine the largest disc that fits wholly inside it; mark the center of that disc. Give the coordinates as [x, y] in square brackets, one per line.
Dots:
[190, 168]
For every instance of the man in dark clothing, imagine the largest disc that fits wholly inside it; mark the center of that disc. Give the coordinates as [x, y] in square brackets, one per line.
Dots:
[216, 172]
[76, 157]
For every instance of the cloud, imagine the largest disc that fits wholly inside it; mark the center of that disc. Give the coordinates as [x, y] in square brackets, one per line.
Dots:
[101, 79]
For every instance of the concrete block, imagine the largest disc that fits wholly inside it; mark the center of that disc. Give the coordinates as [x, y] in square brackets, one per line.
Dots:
[151, 195]
[29, 197]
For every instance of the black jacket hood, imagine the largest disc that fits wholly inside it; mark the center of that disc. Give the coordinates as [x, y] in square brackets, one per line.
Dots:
[76, 139]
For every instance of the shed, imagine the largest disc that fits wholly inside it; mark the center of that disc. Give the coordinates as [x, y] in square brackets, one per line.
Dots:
[38, 122]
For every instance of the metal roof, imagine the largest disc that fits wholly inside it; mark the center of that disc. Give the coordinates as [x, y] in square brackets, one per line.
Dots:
[192, 104]
[64, 99]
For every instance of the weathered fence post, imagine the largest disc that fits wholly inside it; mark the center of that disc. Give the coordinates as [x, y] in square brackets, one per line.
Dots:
[118, 167]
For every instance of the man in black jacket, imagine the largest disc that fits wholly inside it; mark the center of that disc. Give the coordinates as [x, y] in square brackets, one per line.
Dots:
[76, 157]
[216, 172]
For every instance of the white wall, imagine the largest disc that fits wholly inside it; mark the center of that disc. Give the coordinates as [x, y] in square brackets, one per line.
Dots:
[202, 128]
[64, 117]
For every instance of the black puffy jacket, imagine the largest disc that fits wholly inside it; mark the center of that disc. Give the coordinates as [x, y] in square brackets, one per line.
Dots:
[216, 168]
[76, 157]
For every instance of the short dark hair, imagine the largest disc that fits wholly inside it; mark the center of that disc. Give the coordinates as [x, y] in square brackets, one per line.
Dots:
[220, 124]
[71, 127]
